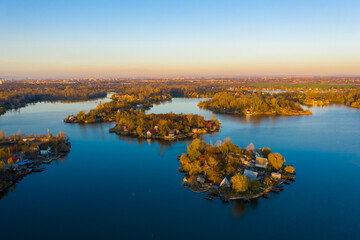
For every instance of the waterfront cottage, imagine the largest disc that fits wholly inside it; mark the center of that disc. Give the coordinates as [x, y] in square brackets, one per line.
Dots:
[276, 175]
[171, 133]
[14, 159]
[44, 150]
[225, 183]
[251, 175]
[200, 179]
[261, 162]
[149, 133]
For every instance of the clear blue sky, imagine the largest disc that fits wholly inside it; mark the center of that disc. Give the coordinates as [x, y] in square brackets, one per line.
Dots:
[179, 38]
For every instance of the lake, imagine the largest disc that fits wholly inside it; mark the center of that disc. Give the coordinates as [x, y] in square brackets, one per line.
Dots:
[112, 187]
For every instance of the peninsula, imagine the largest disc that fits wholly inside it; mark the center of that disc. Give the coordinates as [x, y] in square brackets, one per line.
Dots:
[253, 103]
[21, 154]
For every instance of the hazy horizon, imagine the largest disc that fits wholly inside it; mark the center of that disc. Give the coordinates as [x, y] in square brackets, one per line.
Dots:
[46, 39]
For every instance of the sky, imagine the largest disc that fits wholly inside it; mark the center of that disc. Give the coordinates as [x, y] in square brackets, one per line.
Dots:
[159, 38]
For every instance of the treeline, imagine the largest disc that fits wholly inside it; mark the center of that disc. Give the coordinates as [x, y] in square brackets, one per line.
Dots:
[348, 98]
[13, 96]
[255, 103]
[16, 94]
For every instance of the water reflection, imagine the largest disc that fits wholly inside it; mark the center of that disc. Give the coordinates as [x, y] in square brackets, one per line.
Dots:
[238, 208]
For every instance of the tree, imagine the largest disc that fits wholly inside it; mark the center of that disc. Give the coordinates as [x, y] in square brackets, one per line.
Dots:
[193, 150]
[2, 153]
[276, 160]
[266, 151]
[239, 183]
[61, 135]
[139, 130]
[190, 118]
[2, 135]
[10, 163]
[254, 185]
[2, 167]
[289, 169]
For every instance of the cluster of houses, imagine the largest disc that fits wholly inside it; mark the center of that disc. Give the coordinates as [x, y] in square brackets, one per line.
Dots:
[171, 135]
[254, 168]
[20, 163]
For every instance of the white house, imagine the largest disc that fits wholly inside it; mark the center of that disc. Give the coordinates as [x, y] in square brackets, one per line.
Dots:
[225, 183]
[44, 150]
[276, 175]
[250, 174]
[261, 162]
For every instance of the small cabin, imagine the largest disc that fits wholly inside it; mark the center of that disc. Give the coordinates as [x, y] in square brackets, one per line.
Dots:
[251, 175]
[171, 133]
[261, 162]
[151, 132]
[225, 183]
[200, 179]
[44, 150]
[276, 175]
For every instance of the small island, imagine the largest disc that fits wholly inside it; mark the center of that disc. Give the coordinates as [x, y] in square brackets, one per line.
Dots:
[169, 126]
[110, 111]
[231, 173]
[21, 154]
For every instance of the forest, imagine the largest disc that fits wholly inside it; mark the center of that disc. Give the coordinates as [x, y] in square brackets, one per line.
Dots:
[254, 103]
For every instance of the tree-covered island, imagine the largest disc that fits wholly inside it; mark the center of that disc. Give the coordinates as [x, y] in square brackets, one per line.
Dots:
[253, 103]
[169, 126]
[21, 154]
[110, 111]
[229, 172]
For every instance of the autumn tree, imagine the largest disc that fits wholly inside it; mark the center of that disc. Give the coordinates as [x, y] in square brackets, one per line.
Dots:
[193, 150]
[254, 185]
[289, 169]
[2, 167]
[61, 136]
[276, 160]
[239, 183]
[10, 163]
[3, 153]
[266, 151]
[2, 135]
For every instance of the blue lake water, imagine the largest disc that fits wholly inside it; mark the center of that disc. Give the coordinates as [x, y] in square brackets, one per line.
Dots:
[111, 187]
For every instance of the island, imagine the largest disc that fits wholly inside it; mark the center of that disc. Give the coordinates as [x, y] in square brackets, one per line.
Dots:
[225, 170]
[169, 126]
[253, 103]
[120, 103]
[21, 154]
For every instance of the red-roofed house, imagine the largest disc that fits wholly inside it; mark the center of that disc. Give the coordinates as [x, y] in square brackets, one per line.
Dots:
[15, 159]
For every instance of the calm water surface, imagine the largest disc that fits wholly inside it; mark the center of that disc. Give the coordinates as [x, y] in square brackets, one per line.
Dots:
[111, 187]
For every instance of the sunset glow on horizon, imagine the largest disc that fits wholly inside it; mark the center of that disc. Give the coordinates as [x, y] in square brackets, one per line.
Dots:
[41, 39]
